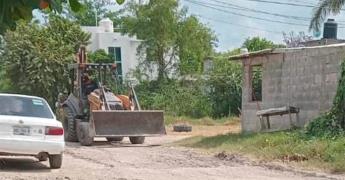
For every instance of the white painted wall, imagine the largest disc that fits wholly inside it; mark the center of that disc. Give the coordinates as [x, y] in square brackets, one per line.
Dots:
[100, 39]
[103, 37]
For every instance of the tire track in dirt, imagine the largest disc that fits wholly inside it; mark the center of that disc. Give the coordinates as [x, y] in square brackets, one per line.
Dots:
[235, 158]
[122, 161]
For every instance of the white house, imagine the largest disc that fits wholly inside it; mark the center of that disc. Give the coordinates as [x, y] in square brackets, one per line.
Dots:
[122, 47]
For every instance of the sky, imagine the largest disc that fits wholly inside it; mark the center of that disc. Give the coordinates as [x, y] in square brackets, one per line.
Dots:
[232, 29]
[232, 25]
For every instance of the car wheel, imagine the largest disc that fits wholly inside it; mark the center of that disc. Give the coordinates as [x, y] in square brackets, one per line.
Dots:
[69, 125]
[116, 139]
[84, 135]
[137, 139]
[42, 158]
[55, 161]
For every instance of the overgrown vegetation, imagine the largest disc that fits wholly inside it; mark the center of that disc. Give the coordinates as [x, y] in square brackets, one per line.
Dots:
[292, 146]
[173, 41]
[204, 121]
[257, 44]
[224, 87]
[92, 11]
[332, 123]
[175, 97]
[216, 93]
[99, 56]
[35, 57]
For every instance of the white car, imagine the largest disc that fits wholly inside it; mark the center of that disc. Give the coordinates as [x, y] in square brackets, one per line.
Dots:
[28, 127]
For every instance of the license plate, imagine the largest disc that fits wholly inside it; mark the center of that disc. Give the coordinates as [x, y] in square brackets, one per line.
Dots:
[24, 131]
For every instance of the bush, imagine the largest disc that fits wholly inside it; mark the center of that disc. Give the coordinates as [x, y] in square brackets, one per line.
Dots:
[219, 95]
[225, 88]
[99, 56]
[175, 97]
[35, 57]
[332, 123]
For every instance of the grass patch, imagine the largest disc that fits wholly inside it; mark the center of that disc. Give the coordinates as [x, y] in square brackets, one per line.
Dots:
[206, 121]
[327, 154]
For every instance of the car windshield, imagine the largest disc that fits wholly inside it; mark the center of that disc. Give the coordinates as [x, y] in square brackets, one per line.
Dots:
[24, 106]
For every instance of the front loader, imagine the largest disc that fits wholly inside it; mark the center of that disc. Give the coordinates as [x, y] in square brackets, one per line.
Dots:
[92, 109]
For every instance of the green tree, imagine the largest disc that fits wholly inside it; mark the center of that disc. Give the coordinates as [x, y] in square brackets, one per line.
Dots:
[35, 58]
[195, 42]
[225, 85]
[323, 9]
[87, 15]
[99, 56]
[13, 10]
[170, 38]
[227, 54]
[257, 43]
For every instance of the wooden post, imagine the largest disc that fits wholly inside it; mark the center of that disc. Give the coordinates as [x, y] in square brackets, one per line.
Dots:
[290, 118]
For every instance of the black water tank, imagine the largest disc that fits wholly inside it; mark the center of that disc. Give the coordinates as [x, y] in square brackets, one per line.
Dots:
[330, 29]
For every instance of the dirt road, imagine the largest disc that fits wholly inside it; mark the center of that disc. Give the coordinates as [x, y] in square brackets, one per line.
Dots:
[153, 160]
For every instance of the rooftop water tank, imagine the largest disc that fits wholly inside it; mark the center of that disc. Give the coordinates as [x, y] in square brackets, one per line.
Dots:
[330, 29]
[107, 25]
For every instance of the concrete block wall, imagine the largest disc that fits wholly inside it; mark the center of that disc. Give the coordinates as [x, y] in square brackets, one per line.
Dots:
[306, 78]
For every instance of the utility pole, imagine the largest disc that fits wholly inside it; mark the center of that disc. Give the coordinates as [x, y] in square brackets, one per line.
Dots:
[96, 17]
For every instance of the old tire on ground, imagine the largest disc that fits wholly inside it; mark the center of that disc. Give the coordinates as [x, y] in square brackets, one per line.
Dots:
[69, 125]
[116, 139]
[84, 134]
[137, 139]
[182, 128]
[55, 161]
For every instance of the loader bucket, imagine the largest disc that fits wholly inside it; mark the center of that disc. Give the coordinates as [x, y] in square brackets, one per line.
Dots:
[111, 123]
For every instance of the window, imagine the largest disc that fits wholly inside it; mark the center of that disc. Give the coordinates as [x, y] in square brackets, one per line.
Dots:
[24, 106]
[115, 53]
[256, 83]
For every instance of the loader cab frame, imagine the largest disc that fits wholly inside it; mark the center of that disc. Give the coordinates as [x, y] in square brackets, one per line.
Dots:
[96, 72]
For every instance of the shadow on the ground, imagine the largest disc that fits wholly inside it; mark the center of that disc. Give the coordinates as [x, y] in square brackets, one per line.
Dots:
[106, 144]
[22, 164]
[215, 141]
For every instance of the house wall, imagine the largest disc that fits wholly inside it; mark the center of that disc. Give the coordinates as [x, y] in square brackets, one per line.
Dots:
[104, 40]
[306, 78]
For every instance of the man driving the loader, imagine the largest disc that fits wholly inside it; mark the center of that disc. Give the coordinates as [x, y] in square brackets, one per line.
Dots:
[89, 85]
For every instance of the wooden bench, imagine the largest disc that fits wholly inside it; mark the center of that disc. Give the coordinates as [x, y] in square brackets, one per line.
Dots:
[266, 113]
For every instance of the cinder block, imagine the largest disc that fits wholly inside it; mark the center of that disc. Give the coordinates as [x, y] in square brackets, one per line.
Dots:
[306, 78]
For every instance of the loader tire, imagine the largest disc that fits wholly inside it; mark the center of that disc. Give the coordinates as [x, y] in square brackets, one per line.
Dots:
[137, 139]
[114, 139]
[69, 125]
[84, 135]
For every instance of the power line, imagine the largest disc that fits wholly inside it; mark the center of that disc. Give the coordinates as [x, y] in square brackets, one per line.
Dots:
[207, 5]
[242, 8]
[235, 24]
[243, 15]
[237, 7]
[286, 3]
[283, 3]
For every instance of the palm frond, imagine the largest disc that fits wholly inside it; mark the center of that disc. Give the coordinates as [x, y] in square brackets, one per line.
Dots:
[325, 8]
